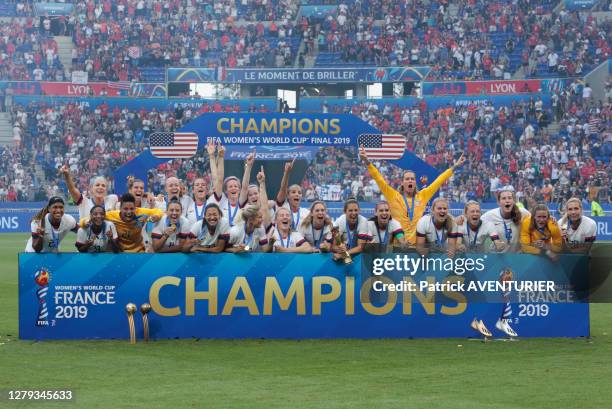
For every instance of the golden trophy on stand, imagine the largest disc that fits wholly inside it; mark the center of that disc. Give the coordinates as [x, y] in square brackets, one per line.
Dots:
[144, 310]
[131, 309]
[337, 240]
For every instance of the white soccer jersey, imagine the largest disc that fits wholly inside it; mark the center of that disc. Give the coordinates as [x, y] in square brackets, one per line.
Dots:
[507, 231]
[85, 204]
[295, 239]
[315, 237]
[394, 228]
[426, 228]
[350, 237]
[195, 212]
[256, 239]
[186, 204]
[101, 242]
[474, 240]
[229, 211]
[296, 217]
[183, 229]
[52, 237]
[586, 231]
[207, 239]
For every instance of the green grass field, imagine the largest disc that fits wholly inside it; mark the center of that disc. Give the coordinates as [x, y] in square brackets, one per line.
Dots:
[534, 373]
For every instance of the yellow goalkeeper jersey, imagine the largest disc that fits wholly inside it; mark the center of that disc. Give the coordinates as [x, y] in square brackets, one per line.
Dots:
[130, 233]
[402, 207]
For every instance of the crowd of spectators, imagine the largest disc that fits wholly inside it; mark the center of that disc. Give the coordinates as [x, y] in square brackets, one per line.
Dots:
[509, 145]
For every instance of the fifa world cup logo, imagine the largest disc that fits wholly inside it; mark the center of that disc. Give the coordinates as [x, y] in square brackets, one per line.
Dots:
[42, 277]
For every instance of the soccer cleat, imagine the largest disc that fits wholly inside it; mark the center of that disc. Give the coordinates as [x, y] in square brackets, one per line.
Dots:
[504, 326]
[479, 326]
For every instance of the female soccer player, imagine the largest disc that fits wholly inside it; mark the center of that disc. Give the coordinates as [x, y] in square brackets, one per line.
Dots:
[98, 194]
[578, 231]
[383, 229]
[437, 231]
[99, 235]
[353, 230]
[540, 233]
[195, 212]
[474, 232]
[210, 234]
[137, 189]
[227, 192]
[316, 227]
[506, 220]
[290, 198]
[258, 196]
[129, 221]
[174, 191]
[49, 227]
[284, 240]
[171, 230]
[408, 204]
[249, 234]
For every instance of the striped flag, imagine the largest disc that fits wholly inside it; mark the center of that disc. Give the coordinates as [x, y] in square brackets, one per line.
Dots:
[119, 84]
[379, 146]
[134, 52]
[173, 144]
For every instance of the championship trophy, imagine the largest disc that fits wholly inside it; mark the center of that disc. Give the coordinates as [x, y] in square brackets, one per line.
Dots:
[42, 278]
[145, 309]
[337, 239]
[503, 323]
[131, 309]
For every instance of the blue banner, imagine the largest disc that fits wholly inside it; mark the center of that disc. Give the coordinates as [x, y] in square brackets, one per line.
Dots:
[136, 104]
[497, 101]
[573, 5]
[53, 9]
[298, 75]
[80, 296]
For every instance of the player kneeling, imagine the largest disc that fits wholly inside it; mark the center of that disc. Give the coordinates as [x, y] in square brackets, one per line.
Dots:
[540, 233]
[437, 231]
[209, 235]
[99, 235]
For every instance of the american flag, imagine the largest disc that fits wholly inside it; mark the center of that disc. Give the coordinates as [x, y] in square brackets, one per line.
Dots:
[173, 144]
[380, 146]
[119, 84]
[134, 52]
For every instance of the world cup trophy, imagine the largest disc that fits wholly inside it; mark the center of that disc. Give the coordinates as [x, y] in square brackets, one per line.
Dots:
[42, 278]
[503, 323]
[337, 239]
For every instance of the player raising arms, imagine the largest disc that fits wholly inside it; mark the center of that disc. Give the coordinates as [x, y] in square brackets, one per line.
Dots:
[249, 234]
[210, 234]
[290, 198]
[540, 233]
[171, 230]
[408, 204]
[49, 227]
[474, 232]
[437, 231]
[578, 231]
[506, 220]
[99, 235]
[98, 194]
[383, 229]
[227, 192]
[316, 227]
[284, 240]
[352, 230]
